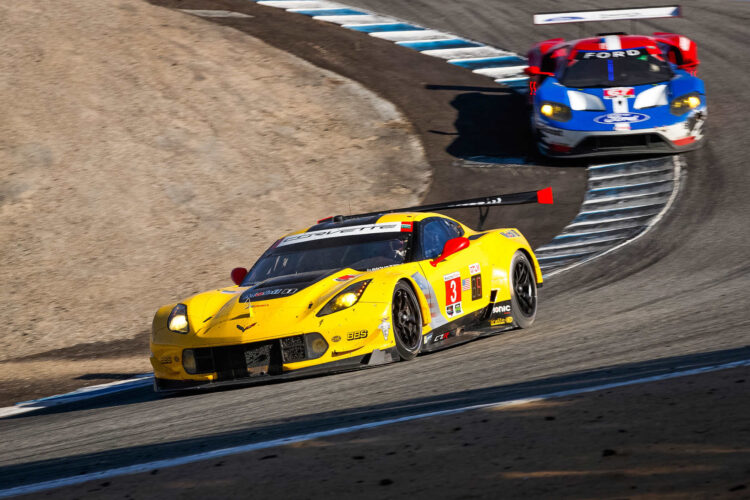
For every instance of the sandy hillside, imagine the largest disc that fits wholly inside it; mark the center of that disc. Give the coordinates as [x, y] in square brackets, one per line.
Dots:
[145, 152]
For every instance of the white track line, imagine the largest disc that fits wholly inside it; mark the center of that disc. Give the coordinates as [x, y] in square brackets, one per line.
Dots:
[187, 459]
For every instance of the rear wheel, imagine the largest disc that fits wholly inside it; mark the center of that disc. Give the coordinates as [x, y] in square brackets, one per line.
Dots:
[523, 290]
[407, 322]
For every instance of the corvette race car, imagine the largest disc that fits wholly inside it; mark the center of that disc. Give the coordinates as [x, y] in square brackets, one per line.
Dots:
[615, 93]
[350, 292]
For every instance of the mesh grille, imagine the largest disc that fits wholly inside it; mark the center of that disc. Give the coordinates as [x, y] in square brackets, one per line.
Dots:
[293, 348]
[239, 361]
[603, 142]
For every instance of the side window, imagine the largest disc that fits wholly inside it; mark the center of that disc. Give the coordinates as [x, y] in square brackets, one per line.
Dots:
[455, 228]
[435, 232]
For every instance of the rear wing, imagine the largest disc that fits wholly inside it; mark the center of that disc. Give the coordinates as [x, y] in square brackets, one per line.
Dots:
[583, 16]
[679, 49]
[543, 196]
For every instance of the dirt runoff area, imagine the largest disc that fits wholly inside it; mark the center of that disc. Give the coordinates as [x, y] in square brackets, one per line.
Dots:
[144, 153]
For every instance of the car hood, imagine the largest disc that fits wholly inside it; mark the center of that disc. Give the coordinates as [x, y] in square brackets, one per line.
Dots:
[625, 108]
[270, 309]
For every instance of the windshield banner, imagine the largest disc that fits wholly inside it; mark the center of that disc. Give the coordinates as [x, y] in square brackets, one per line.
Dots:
[607, 15]
[339, 232]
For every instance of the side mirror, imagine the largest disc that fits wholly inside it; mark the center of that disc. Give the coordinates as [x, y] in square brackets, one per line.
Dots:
[535, 71]
[451, 246]
[238, 274]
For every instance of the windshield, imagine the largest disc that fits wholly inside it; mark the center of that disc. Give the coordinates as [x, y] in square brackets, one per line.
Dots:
[362, 253]
[613, 68]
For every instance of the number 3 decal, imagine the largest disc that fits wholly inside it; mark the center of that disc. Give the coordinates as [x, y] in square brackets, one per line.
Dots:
[452, 288]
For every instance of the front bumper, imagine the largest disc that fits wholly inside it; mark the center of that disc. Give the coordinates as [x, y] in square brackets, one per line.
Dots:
[232, 365]
[684, 136]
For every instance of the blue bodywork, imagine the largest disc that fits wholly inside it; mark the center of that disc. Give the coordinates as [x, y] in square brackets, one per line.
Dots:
[551, 90]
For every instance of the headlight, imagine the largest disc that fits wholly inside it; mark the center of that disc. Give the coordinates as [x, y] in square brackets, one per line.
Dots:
[555, 111]
[177, 321]
[346, 298]
[685, 103]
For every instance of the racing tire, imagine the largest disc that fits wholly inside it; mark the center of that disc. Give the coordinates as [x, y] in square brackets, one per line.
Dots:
[406, 318]
[523, 292]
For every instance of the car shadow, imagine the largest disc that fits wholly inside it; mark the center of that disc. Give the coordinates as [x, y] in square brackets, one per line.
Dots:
[492, 126]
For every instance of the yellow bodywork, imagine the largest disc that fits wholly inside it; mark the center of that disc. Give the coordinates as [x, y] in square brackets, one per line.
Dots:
[218, 318]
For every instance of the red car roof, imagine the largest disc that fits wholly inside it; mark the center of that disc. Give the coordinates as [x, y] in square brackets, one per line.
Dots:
[613, 42]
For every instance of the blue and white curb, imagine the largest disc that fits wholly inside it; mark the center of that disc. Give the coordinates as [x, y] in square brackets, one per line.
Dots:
[622, 203]
[503, 66]
[93, 391]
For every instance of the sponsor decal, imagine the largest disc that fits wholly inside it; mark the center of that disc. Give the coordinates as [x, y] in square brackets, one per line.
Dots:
[336, 338]
[361, 334]
[616, 92]
[385, 328]
[440, 337]
[476, 287]
[340, 232]
[274, 291]
[607, 54]
[346, 277]
[613, 118]
[501, 321]
[407, 227]
[511, 233]
[608, 15]
[466, 284]
[380, 267]
[452, 288]
[622, 126]
[562, 19]
[500, 309]
[474, 269]
[453, 310]
[165, 360]
[243, 328]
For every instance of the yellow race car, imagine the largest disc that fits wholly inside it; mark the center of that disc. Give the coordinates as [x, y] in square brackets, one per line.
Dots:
[350, 292]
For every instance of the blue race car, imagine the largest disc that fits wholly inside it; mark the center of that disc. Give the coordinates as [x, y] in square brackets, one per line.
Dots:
[616, 94]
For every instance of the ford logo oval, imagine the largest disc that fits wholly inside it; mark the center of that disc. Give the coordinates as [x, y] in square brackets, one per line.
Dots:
[613, 118]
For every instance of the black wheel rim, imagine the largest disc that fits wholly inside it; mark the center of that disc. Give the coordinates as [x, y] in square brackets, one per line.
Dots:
[405, 320]
[523, 288]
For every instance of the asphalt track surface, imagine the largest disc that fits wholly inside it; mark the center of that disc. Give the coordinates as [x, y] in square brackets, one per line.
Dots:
[676, 297]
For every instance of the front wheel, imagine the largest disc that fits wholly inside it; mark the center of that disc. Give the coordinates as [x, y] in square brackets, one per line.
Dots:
[523, 290]
[407, 322]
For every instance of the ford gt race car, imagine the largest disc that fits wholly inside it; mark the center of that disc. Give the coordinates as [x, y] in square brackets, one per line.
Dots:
[615, 93]
[349, 292]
